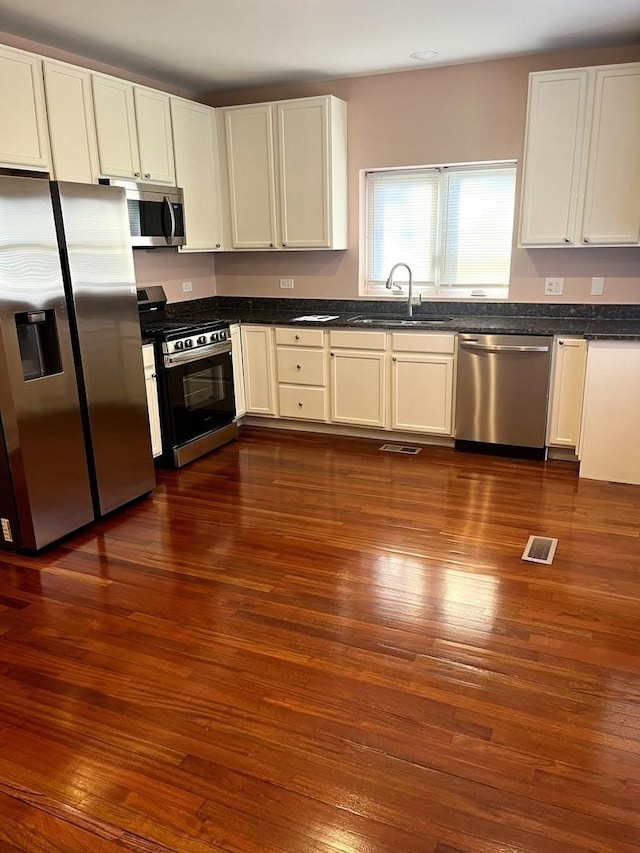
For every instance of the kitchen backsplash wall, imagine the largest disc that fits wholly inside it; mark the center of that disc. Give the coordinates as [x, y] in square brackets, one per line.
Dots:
[172, 270]
[452, 114]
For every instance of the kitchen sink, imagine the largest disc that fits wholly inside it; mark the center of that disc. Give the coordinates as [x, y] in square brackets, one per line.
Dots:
[378, 320]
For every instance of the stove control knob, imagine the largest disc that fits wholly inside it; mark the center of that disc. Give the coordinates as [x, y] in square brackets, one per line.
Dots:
[179, 345]
[202, 339]
[188, 343]
[214, 337]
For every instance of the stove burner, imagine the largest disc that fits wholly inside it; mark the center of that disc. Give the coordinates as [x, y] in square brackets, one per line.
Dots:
[170, 329]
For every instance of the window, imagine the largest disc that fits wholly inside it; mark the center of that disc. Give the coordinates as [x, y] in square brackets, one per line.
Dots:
[453, 225]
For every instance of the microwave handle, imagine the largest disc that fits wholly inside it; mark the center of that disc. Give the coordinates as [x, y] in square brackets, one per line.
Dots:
[170, 238]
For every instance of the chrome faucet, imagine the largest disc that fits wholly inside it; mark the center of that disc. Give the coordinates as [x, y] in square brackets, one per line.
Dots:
[391, 283]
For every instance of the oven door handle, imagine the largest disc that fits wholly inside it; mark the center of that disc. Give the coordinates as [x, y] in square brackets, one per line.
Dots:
[175, 359]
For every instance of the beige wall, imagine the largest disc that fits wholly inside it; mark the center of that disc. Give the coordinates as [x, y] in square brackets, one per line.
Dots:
[452, 114]
[171, 269]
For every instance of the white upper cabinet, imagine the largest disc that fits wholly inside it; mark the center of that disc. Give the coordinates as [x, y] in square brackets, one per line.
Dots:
[155, 140]
[133, 126]
[72, 134]
[196, 158]
[286, 184]
[24, 140]
[581, 182]
[116, 127]
[251, 175]
[312, 160]
[612, 197]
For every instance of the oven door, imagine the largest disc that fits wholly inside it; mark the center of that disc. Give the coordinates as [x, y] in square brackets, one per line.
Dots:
[199, 392]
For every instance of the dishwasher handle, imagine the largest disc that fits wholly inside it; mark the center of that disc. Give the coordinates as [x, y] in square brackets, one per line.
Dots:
[475, 345]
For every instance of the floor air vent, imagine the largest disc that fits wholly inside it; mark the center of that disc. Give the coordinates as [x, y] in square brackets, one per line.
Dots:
[400, 448]
[540, 549]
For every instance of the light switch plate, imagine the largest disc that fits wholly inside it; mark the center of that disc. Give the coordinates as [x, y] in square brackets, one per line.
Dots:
[597, 285]
[553, 286]
[187, 286]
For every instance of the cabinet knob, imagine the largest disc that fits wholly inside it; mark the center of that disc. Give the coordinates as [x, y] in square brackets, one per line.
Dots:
[147, 175]
[560, 343]
[298, 366]
[300, 405]
[271, 245]
[567, 239]
[136, 174]
[297, 337]
[284, 244]
[394, 358]
[217, 245]
[586, 240]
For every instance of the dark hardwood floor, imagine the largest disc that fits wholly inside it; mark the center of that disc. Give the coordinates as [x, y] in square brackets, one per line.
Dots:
[302, 644]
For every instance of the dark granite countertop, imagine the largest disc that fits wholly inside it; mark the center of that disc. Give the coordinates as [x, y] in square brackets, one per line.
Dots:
[592, 321]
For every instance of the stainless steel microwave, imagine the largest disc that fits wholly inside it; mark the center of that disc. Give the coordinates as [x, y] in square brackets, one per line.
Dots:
[156, 213]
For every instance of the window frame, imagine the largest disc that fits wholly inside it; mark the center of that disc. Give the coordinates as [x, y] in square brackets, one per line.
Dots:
[437, 291]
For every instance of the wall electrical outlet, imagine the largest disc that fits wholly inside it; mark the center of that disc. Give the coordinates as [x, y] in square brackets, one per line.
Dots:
[597, 285]
[286, 283]
[553, 286]
[187, 286]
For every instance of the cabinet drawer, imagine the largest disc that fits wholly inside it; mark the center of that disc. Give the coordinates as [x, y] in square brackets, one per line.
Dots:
[304, 403]
[423, 342]
[296, 337]
[350, 339]
[299, 366]
[147, 356]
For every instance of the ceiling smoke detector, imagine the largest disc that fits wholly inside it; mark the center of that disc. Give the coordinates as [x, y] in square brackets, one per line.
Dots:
[424, 55]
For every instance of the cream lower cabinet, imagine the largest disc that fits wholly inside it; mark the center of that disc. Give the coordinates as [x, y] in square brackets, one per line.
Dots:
[567, 387]
[301, 361]
[258, 360]
[422, 377]
[358, 378]
[238, 371]
[609, 446]
[152, 398]
[24, 141]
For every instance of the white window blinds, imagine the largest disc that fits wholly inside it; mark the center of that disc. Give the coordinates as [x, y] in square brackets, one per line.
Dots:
[453, 225]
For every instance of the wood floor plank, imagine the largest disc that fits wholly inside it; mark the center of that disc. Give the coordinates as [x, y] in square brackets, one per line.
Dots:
[301, 645]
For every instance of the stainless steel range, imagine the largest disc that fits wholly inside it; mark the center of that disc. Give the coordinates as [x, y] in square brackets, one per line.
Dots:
[194, 366]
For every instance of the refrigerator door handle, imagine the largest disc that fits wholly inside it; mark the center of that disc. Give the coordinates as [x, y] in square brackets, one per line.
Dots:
[170, 237]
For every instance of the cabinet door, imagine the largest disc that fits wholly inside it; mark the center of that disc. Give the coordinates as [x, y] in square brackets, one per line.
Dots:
[195, 149]
[238, 374]
[610, 449]
[259, 370]
[554, 158]
[422, 393]
[155, 140]
[358, 387]
[251, 176]
[304, 173]
[612, 201]
[570, 357]
[116, 127]
[72, 132]
[152, 398]
[23, 126]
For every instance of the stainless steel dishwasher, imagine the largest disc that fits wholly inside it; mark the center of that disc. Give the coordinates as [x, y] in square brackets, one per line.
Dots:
[502, 390]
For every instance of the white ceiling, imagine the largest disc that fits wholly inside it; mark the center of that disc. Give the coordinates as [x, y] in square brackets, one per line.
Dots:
[206, 45]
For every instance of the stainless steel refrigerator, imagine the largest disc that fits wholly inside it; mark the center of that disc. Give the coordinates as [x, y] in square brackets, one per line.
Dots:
[74, 430]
